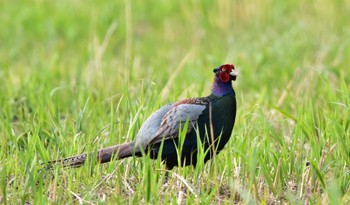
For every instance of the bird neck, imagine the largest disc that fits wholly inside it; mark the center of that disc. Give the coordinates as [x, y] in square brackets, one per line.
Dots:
[220, 88]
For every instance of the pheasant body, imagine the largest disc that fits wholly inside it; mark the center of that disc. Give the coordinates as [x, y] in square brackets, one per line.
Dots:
[223, 116]
[211, 119]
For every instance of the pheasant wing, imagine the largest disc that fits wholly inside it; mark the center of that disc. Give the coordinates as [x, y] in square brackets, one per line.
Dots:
[176, 117]
[150, 127]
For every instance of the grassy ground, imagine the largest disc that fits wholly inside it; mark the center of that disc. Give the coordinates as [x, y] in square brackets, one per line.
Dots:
[80, 75]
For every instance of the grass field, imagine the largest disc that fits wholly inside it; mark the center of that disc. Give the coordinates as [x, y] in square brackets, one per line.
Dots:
[76, 76]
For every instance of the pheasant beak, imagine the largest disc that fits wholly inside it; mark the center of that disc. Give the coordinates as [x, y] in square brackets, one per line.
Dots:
[234, 73]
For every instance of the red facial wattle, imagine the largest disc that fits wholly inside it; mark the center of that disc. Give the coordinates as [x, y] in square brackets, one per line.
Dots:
[225, 71]
[224, 77]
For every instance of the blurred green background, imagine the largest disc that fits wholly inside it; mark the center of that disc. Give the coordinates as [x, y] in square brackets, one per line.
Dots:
[88, 42]
[78, 75]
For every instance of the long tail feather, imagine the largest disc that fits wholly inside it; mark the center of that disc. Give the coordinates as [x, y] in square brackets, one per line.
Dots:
[103, 155]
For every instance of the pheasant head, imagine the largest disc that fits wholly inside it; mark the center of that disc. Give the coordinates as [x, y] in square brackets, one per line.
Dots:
[224, 75]
[226, 72]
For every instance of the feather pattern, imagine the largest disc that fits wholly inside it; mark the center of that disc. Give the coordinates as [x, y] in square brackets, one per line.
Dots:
[148, 129]
[175, 117]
